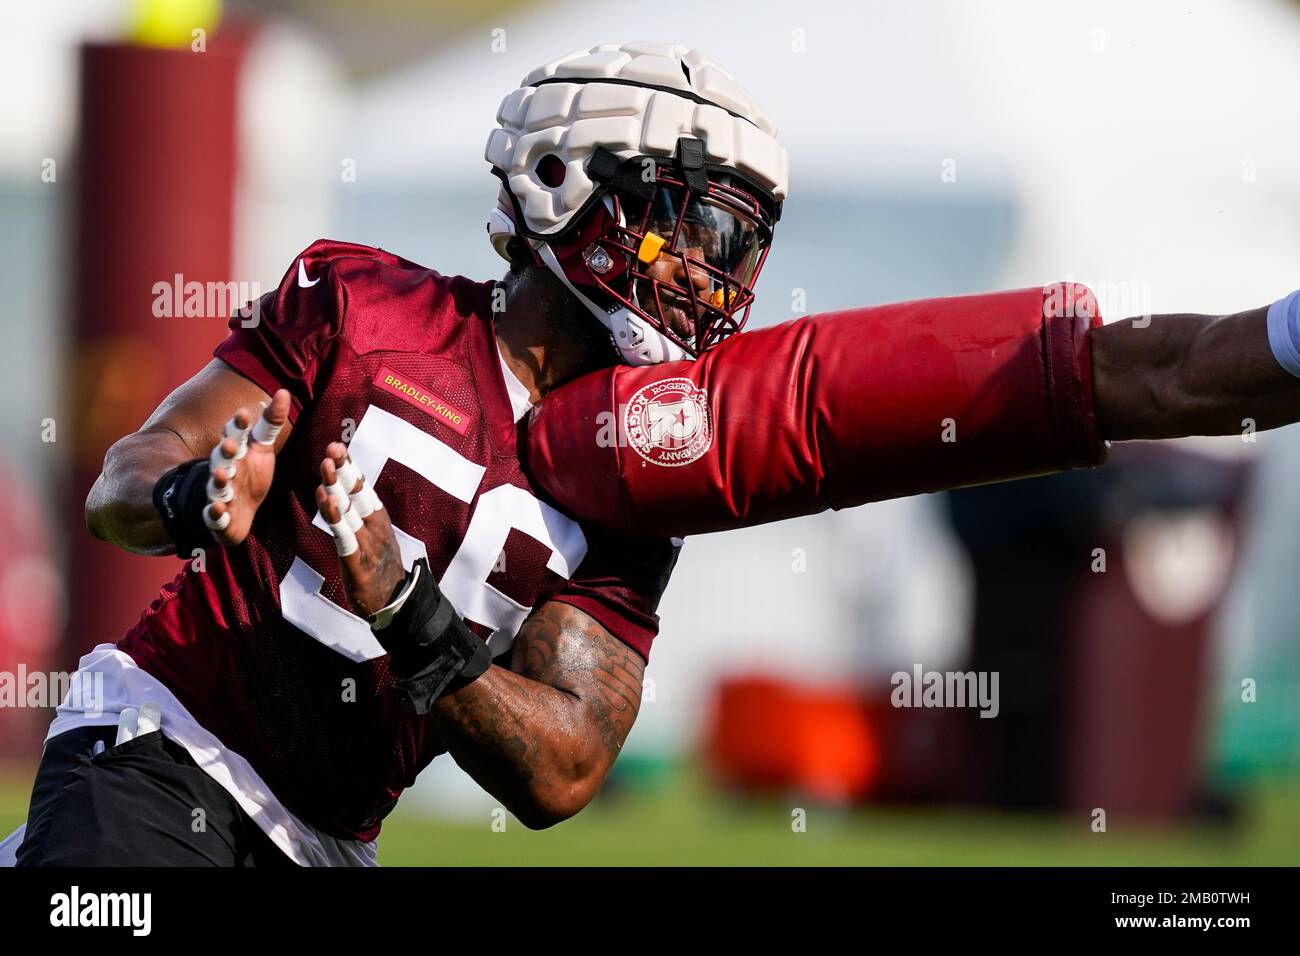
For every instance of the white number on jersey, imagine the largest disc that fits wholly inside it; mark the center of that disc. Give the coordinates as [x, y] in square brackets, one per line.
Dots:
[382, 437]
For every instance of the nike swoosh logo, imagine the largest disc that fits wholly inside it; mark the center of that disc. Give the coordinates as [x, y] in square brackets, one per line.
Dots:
[303, 281]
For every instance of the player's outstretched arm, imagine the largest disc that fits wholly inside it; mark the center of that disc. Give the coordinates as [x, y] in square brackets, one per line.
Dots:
[208, 417]
[1166, 376]
[541, 735]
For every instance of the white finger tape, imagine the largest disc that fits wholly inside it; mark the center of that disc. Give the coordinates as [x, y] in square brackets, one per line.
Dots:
[215, 524]
[365, 502]
[339, 494]
[353, 518]
[345, 539]
[220, 494]
[240, 435]
[349, 475]
[264, 433]
[218, 459]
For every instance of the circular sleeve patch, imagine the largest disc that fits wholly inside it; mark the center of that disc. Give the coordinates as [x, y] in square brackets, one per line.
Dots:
[667, 422]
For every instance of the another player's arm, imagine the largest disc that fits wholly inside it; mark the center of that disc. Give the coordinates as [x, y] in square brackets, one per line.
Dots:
[187, 425]
[1189, 375]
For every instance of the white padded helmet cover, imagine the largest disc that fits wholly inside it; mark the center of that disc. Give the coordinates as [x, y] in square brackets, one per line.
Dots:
[570, 120]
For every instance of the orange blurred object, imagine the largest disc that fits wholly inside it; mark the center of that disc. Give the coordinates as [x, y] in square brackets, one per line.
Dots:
[770, 734]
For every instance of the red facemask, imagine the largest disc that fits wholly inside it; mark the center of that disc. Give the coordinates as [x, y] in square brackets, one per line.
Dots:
[683, 260]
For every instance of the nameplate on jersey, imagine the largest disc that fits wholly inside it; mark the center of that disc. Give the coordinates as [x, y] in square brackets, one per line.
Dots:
[415, 394]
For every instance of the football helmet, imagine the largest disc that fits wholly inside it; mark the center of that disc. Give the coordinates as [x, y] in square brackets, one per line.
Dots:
[649, 182]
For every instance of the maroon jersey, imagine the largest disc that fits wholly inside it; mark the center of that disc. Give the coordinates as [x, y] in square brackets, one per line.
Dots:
[402, 363]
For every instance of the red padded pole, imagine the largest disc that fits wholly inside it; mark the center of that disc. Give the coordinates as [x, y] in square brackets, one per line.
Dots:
[155, 196]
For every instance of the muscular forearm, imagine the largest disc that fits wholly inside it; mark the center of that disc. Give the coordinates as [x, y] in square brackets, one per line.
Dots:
[120, 508]
[527, 744]
[188, 424]
[1176, 375]
[542, 735]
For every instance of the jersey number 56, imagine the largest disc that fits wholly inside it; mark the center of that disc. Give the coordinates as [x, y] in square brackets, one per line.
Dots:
[382, 437]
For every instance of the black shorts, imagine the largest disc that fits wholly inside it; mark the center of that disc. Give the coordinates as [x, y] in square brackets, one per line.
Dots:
[144, 803]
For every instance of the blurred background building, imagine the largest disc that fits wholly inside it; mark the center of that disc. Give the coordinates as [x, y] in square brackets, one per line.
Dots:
[1148, 150]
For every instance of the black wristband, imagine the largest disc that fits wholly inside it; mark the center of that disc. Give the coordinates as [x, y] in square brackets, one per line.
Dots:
[180, 496]
[430, 649]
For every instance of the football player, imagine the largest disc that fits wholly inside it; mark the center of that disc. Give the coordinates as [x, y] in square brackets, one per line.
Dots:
[371, 578]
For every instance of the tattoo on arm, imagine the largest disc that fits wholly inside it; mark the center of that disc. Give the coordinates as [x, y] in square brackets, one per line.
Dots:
[552, 725]
[566, 649]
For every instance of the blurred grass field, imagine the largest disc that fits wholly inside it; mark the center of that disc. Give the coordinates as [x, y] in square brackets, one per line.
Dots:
[682, 822]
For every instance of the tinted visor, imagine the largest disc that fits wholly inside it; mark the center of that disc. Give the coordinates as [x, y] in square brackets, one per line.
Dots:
[724, 239]
[683, 259]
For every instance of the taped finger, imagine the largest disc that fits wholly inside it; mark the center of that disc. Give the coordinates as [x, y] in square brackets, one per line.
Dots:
[349, 475]
[264, 433]
[365, 502]
[345, 538]
[240, 435]
[215, 523]
[224, 492]
[219, 459]
[350, 516]
[339, 494]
